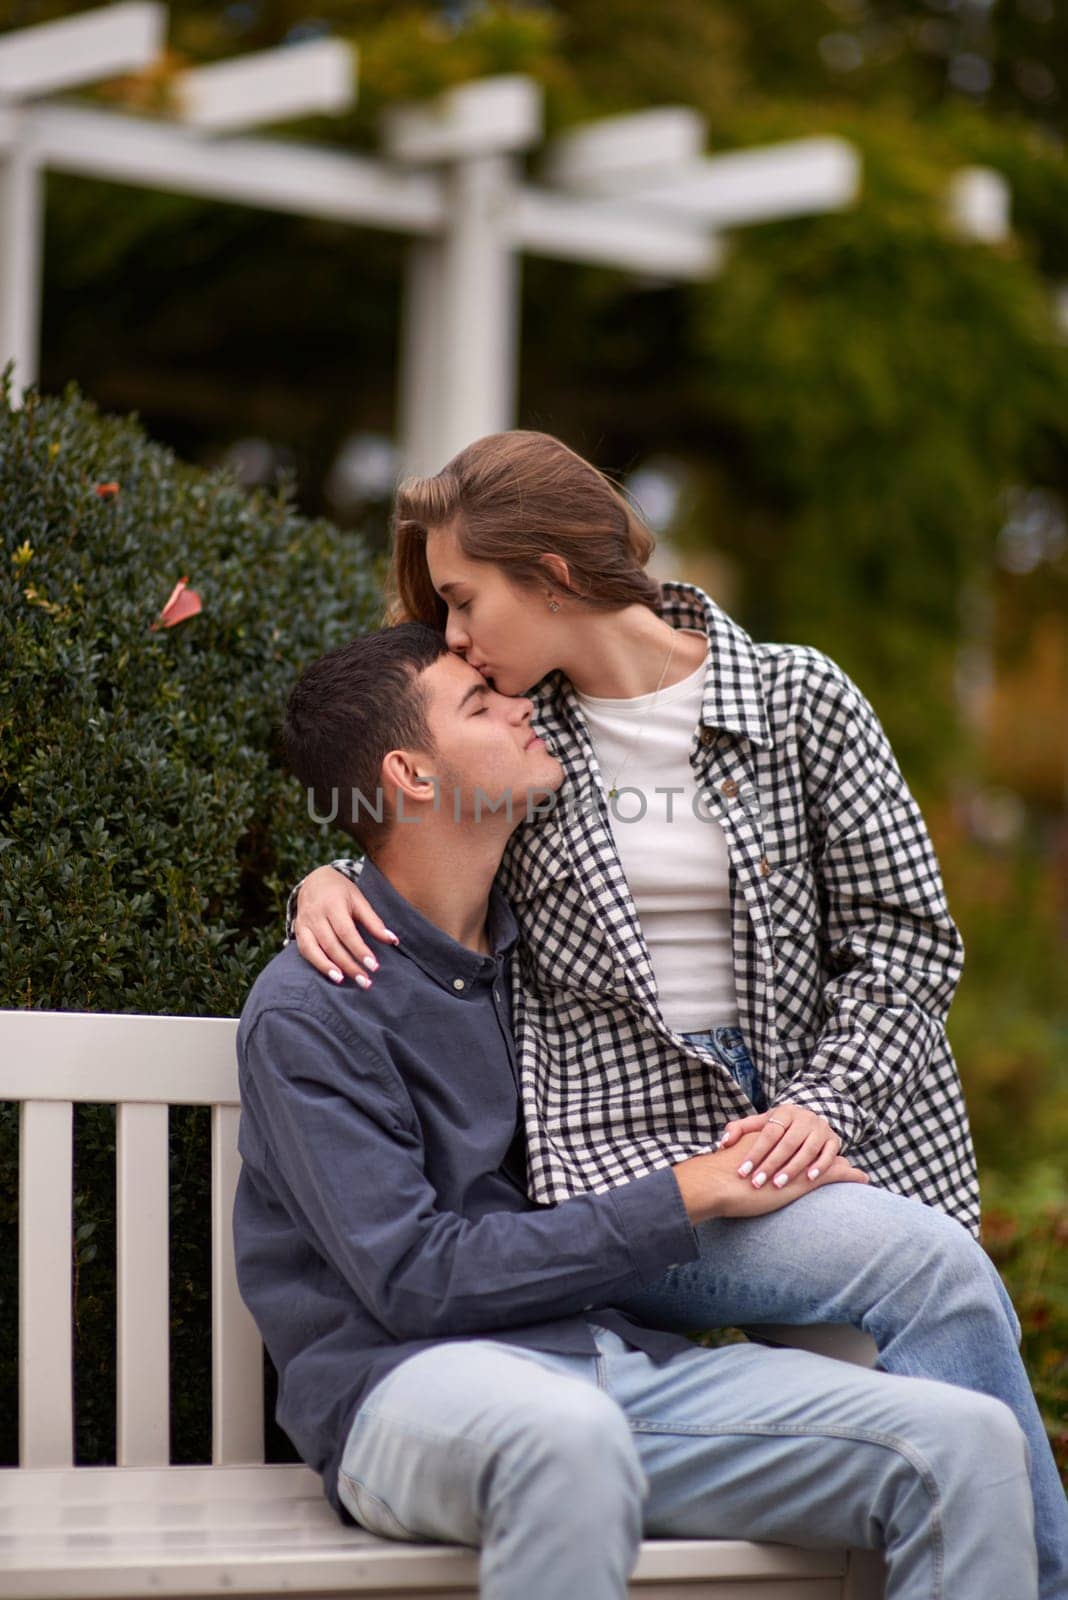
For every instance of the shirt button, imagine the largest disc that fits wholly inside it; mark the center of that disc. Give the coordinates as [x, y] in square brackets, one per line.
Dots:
[458, 983]
[708, 735]
[723, 741]
[765, 867]
[729, 788]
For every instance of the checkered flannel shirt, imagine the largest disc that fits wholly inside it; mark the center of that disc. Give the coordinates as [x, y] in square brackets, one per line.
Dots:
[845, 955]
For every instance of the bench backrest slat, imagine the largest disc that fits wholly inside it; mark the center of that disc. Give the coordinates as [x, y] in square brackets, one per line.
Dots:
[46, 1395]
[142, 1435]
[49, 1059]
[237, 1363]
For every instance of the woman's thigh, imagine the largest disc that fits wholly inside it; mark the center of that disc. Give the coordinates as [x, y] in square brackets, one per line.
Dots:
[845, 1253]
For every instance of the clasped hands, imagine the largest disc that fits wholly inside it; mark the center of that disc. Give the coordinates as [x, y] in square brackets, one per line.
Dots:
[792, 1141]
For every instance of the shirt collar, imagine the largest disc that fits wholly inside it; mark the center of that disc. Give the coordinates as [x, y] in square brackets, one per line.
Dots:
[733, 694]
[439, 955]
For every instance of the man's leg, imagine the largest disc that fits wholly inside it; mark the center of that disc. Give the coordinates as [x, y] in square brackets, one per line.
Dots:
[477, 1443]
[911, 1277]
[791, 1447]
[464, 1443]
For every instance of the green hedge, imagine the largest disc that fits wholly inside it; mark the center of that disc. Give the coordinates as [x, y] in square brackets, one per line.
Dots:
[148, 830]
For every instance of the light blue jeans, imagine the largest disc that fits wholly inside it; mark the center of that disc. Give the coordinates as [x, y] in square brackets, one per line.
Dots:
[909, 1276]
[555, 1465]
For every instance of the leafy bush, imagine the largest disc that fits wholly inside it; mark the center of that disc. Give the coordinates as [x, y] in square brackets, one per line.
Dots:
[1025, 1229]
[148, 830]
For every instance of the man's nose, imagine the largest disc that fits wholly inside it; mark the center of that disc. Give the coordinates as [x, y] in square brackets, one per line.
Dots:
[521, 709]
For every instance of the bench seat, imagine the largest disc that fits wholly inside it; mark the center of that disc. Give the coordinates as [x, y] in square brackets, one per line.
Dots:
[130, 1533]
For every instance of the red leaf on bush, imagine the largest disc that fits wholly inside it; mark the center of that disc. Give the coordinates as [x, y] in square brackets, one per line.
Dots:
[107, 491]
[184, 602]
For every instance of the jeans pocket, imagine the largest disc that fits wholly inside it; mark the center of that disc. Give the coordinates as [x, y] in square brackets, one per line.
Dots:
[371, 1512]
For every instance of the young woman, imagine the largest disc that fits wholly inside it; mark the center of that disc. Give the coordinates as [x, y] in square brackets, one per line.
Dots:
[731, 919]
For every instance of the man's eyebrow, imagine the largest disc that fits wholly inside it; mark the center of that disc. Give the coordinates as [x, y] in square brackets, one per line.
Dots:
[476, 688]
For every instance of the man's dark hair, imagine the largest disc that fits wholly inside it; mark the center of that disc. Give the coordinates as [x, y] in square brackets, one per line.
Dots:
[348, 710]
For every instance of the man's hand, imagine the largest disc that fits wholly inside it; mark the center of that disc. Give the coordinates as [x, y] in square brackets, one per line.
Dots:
[793, 1140]
[710, 1188]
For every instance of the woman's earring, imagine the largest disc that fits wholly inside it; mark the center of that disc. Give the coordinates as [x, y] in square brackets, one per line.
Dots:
[554, 605]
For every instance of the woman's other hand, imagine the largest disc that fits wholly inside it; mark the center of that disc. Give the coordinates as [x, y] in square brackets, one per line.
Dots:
[331, 913]
[792, 1141]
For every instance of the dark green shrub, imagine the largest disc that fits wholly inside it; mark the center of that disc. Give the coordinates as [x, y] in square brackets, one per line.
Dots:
[148, 830]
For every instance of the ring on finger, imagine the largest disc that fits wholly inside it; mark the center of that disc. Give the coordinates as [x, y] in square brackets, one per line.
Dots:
[777, 1123]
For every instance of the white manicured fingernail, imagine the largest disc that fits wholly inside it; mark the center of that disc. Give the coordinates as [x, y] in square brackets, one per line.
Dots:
[760, 1179]
[335, 976]
[392, 937]
[813, 1173]
[745, 1169]
[364, 983]
[370, 963]
[780, 1179]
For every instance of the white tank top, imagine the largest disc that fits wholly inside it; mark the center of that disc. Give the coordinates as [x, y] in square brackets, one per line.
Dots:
[673, 850]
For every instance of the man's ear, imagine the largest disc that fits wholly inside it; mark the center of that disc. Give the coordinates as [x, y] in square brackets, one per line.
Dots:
[406, 772]
[556, 570]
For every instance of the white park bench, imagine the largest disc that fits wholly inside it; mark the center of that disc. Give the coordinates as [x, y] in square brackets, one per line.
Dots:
[239, 1526]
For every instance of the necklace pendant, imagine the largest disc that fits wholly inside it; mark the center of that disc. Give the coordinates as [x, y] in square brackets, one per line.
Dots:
[612, 792]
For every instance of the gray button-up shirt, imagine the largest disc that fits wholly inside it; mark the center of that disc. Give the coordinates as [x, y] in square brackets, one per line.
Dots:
[381, 1204]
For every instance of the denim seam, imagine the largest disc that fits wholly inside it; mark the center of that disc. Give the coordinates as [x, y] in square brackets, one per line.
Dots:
[888, 1441]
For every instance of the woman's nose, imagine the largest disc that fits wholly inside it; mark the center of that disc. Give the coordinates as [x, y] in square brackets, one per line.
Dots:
[456, 636]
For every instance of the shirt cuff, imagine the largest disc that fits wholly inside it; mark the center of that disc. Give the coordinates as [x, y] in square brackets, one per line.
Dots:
[842, 1113]
[657, 1225]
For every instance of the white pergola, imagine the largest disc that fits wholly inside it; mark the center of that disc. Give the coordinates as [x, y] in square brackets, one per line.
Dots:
[633, 193]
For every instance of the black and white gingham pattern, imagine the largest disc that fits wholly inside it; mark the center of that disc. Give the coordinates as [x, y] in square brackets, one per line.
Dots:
[844, 951]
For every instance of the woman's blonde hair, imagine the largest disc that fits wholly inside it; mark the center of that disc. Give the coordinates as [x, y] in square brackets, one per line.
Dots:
[514, 498]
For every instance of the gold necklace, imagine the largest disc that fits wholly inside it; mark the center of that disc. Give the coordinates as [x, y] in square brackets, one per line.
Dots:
[614, 790]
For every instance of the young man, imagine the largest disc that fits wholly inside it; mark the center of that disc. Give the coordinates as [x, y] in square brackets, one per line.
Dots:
[448, 1352]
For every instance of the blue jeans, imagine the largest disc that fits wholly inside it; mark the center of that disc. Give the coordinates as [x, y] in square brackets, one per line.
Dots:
[555, 1465]
[728, 1046]
[909, 1276]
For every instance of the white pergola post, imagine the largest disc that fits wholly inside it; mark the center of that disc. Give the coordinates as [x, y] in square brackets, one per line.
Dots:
[35, 62]
[21, 239]
[460, 353]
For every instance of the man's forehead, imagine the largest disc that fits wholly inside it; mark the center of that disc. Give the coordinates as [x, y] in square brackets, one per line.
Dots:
[450, 676]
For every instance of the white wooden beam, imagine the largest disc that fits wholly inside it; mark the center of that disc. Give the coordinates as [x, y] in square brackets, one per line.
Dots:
[82, 49]
[630, 148]
[269, 86]
[623, 235]
[978, 204]
[794, 178]
[487, 117]
[304, 180]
